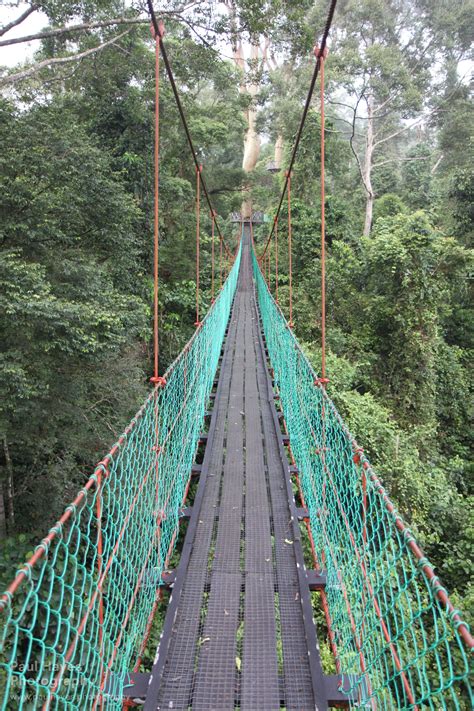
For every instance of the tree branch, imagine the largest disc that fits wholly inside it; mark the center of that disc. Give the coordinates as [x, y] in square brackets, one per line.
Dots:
[386, 161]
[436, 165]
[336, 117]
[19, 20]
[346, 106]
[434, 110]
[351, 143]
[84, 26]
[18, 76]
[46, 34]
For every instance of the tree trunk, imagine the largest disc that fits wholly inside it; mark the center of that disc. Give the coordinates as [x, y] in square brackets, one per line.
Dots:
[3, 516]
[369, 150]
[8, 491]
[278, 154]
[252, 139]
[250, 88]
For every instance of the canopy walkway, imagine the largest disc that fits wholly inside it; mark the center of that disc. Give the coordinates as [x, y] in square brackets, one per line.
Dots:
[299, 586]
[239, 630]
[242, 593]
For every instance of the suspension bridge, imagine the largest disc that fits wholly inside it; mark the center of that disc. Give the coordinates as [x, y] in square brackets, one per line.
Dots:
[242, 410]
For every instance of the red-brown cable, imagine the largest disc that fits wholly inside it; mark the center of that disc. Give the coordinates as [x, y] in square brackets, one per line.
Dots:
[213, 218]
[220, 262]
[322, 54]
[276, 259]
[156, 205]
[156, 380]
[290, 262]
[198, 231]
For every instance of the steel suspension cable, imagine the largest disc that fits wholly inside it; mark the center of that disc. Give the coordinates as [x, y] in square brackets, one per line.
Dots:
[309, 96]
[159, 30]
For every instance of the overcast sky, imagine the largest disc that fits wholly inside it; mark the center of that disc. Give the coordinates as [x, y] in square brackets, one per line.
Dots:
[10, 56]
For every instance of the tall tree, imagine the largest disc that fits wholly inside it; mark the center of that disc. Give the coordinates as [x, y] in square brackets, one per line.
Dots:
[380, 72]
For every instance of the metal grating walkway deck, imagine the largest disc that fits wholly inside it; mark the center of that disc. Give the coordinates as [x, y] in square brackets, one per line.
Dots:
[239, 631]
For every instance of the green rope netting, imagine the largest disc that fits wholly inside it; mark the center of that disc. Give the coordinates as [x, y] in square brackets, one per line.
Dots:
[75, 626]
[398, 645]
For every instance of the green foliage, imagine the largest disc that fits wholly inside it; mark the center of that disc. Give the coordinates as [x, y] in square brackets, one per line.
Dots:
[354, 531]
[76, 205]
[388, 205]
[395, 299]
[461, 196]
[416, 177]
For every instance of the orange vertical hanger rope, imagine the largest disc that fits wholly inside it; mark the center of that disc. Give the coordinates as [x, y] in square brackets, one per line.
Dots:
[276, 259]
[322, 56]
[99, 575]
[213, 218]
[323, 229]
[156, 380]
[220, 262]
[290, 262]
[270, 266]
[198, 230]
[156, 204]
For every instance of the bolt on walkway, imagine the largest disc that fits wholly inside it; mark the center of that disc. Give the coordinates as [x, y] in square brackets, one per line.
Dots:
[239, 631]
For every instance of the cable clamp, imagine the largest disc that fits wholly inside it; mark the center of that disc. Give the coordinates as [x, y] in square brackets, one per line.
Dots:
[158, 381]
[357, 455]
[318, 53]
[321, 381]
[198, 324]
[161, 30]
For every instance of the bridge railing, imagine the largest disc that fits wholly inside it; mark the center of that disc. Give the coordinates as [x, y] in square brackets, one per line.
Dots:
[76, 618]
[395, 633]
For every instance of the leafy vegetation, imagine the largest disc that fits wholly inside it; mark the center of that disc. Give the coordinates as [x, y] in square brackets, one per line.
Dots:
[76, 204]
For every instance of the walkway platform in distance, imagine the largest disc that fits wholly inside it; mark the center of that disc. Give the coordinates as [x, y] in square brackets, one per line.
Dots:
[239, 631]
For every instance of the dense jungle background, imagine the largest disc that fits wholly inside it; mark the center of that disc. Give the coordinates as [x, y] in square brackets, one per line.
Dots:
[76, 211]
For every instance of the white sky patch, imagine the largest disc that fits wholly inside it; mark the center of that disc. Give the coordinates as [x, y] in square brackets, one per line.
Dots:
[17, 53]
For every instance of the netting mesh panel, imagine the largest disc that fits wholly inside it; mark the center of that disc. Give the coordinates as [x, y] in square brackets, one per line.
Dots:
[399, 644]
[73, 628]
